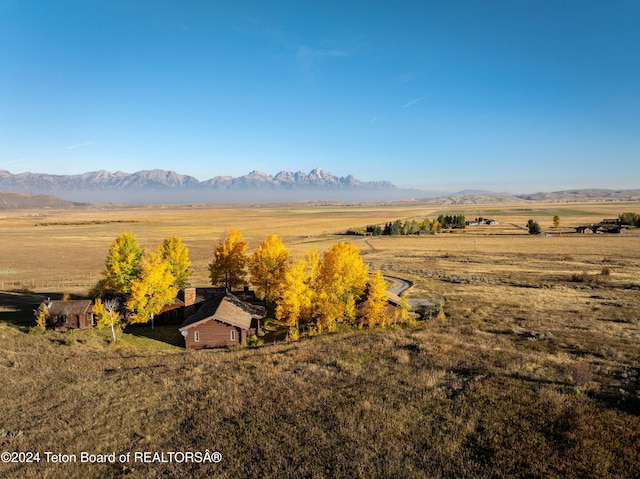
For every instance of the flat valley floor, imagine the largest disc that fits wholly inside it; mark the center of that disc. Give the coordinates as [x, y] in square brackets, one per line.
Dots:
[534, 372]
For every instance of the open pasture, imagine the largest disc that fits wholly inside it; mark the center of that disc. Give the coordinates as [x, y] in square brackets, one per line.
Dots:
[534, 372]
[65, 249]
[492, 277]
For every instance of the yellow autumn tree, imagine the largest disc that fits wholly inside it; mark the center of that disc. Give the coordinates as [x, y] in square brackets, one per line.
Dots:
[268, 266]
[121, 266]
[402, 312]
[312, 259]
[294, 296]
[42, 316]
[177, 255]
[107, 315]
[152, 289]
[375, 306]
[340, 281]
[230, 260]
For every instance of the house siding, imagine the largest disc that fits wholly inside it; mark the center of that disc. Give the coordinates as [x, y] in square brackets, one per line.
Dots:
[214, 334]
[74, 321]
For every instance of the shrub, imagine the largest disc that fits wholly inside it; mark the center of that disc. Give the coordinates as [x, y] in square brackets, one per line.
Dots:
[293, 334]
[534, 228]
[583, 277]
[581, 373]
[606, 271]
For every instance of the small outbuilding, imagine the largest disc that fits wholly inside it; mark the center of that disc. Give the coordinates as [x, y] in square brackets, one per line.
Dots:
[68, 314]
[223, 320]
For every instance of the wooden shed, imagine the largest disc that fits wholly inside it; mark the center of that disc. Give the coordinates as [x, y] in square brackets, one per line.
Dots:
[222, 321]
[69, 314]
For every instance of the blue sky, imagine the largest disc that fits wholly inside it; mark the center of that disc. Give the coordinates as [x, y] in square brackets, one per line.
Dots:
[516, 96]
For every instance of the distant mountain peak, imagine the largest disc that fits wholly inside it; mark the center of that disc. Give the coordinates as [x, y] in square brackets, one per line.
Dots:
[95, 186]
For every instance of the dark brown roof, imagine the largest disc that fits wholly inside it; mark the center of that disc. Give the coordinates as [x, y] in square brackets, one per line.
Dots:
[72, 306]
[228, 309]
[177, 303]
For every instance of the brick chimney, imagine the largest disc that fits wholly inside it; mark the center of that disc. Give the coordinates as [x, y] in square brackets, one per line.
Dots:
[189, 296]
[189, 301]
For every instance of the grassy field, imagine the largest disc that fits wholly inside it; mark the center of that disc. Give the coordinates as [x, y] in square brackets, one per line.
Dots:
[533, 373]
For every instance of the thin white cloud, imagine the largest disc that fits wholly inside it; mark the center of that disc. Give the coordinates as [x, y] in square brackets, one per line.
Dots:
[412, 102]
[79, 145]
[308, 58]
[373, 120]
[305, 53]
[404, 79]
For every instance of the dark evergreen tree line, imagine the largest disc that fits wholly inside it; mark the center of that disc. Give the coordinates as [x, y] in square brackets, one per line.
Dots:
[631, 219]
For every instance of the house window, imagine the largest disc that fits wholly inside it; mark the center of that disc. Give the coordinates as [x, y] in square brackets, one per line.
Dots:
[233, 335]
[196, 336]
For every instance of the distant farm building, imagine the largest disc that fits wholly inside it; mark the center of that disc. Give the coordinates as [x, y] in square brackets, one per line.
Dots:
[482, 221]
[603, 227]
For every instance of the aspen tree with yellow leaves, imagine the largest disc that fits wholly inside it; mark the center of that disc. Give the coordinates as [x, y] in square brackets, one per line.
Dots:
[42, 316]
[375, 306]
[268, 266]
[107, 315]
[340, 281]
[228, 267]
[152, 289]
[177, 255]
[121, 265]
[294, 298]
[402, 312]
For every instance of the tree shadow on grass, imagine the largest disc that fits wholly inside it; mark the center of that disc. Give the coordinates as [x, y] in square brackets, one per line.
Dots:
[17, 307]
[166, 333]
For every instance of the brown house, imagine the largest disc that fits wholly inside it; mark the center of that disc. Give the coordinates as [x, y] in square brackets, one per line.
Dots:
[70, 314]
[223, 320]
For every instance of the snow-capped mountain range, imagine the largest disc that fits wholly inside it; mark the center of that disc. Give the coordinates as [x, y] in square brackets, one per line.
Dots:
[100, 186]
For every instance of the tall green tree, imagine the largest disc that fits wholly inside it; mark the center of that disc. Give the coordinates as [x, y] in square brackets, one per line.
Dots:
[228, 267]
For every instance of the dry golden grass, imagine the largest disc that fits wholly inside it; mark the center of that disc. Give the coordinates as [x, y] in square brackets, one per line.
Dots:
[66, 249]
[533, 373]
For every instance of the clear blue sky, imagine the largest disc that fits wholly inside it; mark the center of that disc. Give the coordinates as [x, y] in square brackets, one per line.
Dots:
[517, 96]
